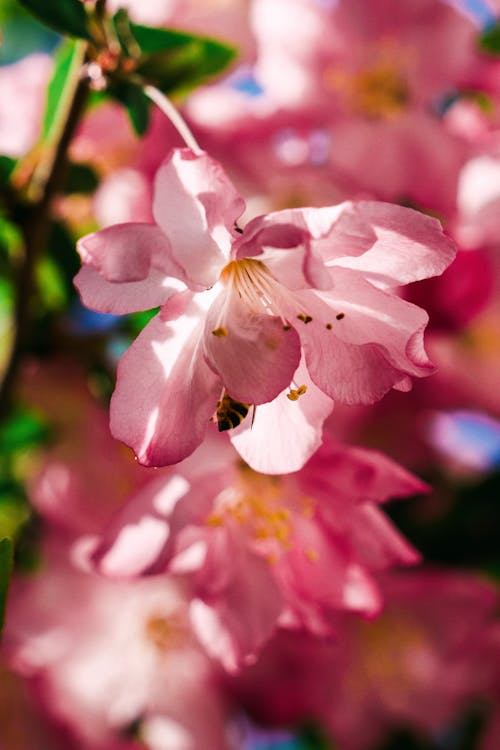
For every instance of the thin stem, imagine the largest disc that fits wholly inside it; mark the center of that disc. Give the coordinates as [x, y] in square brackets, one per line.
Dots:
[168, 109]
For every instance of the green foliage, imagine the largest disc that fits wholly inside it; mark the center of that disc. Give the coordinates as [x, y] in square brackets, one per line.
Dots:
[67, 60]
[81, 178]
[173, 61]
[64, 16]
[137, 105]
[7, 166]
[489, 41]
[23, 429]
[135, 322]
[176, 61]
[14, 509]
[51, 285]
[6, 556]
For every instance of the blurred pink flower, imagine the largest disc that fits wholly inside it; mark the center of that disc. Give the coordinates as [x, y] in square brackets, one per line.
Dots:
[239, 308]
[107, 656]
[418, 665]
[300, 545]
[22, 102]
[80, 478]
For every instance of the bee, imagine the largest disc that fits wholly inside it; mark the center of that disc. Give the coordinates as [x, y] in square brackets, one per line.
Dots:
[231, 413]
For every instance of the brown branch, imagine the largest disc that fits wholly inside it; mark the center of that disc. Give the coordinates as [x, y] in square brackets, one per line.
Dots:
[36, 228]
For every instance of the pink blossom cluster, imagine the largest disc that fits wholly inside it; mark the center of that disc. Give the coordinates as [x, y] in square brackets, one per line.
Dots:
[225, 555]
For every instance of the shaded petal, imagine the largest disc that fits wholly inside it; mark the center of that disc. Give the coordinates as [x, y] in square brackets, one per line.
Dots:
[165, 392]
[256, 358]
[238, 612]
[134, 542]
[196, 205]
[407, 245]
[283, 434]
[127, 252]
[373, 347]
[347, 475]
[378, 543]
[126, 297]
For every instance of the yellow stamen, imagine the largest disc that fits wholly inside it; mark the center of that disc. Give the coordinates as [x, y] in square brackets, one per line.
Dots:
[304, 318]
[220, 332]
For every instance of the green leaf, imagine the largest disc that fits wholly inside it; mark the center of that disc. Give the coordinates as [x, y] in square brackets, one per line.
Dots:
[176, 61]
[64, 16]
[7, 166]
[135, 322]
[489, 41]
[51, 285]
[6, 557]
[14, 511]
[68, 59]
[81, 178]
[137, 104]
[23, 429]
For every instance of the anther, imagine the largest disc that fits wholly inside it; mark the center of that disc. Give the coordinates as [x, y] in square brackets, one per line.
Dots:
[304, 318]
[287, 328]
[295, 393]
[339, 316]
[220, 332]
[329, 326]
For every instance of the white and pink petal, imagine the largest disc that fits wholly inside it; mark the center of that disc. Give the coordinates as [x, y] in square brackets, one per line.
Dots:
[165, 392]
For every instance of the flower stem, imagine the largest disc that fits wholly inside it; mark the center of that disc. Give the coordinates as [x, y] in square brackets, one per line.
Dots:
[168, 109]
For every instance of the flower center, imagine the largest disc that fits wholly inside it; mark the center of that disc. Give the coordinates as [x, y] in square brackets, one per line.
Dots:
[265, 508]
[379, 90]
[255, 285]
[162, 632]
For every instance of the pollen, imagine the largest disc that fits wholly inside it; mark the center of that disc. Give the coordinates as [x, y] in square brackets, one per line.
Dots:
[162, 632]
[295, 393]
[304, 318]
[220, 332]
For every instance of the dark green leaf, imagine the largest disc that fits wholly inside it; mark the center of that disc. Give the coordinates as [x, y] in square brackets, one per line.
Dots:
[6, 556]
[81, 179]
[152, 40]
[176, 61]
[137, 104]
[136, 321]
[64, 16]
[7, 166]
[67, 61]
[23, 429]
[489, 41]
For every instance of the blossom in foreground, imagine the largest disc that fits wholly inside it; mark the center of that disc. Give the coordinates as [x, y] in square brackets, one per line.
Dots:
[301, 546]
[297, 309]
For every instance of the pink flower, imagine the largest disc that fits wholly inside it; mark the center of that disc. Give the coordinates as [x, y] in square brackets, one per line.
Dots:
[418, 665]
[301, 546]
[105, 655]
[296, 310]
[22, 101]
